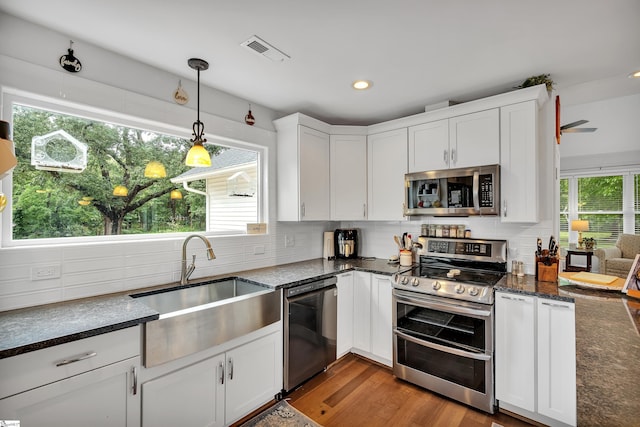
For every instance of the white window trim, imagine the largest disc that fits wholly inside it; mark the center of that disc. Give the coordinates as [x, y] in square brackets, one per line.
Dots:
[12, 96]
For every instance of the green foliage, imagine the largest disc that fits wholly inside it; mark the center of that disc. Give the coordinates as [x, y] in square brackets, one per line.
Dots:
[45, 203]
[538, 80]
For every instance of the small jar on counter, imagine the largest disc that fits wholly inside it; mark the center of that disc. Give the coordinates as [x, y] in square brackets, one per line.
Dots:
[424, 230]
[406, 258]
[438, 230]
[461, 231]
[445, 231]
[432, 230]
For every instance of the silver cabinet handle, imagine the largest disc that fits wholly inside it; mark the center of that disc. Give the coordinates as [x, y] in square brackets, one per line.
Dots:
[513, 298]
[454, 156]
[230, 369]
[134, 377]
[504, 208]
[303, 209]
[77, 358]
[445, 157]
[555, 305]
[364, 210]
[221, 368]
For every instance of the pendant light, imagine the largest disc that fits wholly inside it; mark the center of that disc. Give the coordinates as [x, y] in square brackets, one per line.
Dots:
[155, 170]
[176, 195]
[198, 156]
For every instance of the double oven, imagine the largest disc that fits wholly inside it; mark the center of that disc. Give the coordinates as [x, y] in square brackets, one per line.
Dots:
[443, 319]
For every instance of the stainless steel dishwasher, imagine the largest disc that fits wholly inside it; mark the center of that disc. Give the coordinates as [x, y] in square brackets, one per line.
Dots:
[310, 329]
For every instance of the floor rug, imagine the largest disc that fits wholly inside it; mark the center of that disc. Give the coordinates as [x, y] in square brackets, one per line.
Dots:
[281, 415]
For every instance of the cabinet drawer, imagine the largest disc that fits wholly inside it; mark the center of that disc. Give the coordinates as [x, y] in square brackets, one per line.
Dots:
[37, 368]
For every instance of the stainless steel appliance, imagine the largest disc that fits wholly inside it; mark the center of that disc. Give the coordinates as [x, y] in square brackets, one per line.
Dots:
[310, 329]
[453, 192]
[443, 319]
[346, 243]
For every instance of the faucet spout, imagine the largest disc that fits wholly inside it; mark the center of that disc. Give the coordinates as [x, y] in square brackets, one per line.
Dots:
[186, 272]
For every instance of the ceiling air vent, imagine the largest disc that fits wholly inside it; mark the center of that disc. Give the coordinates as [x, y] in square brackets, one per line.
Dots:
[262, 48]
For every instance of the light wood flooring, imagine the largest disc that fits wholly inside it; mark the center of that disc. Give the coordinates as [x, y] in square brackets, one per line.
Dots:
[357, 392]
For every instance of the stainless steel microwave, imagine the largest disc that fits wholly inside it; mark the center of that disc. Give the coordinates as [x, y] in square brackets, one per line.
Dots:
[453, 192]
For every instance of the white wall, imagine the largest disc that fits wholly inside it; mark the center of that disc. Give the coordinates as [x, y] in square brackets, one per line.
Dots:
[28, 62]
[616, 142]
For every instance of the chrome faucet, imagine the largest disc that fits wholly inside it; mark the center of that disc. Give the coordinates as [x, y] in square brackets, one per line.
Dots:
[186, 271]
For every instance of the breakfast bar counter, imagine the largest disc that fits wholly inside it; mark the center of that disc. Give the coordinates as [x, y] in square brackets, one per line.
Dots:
[607, 349]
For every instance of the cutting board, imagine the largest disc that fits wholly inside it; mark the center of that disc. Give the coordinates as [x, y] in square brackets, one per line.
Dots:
[597, 279]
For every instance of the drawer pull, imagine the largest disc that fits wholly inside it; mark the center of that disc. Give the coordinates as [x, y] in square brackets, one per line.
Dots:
[77, 358]
[555, 305]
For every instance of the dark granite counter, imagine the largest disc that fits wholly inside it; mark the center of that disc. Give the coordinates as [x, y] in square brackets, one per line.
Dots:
[33, 328]
[607, 350]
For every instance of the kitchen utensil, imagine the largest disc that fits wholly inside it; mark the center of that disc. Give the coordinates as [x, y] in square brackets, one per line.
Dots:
[397, 240]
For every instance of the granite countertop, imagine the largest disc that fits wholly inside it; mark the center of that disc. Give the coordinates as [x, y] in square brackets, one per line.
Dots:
[607, 349]
[34, 328]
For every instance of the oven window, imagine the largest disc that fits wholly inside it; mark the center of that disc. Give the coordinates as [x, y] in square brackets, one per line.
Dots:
[460, 370]
[463, 332]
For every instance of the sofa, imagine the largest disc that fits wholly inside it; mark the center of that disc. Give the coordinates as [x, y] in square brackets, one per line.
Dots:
[617, 261]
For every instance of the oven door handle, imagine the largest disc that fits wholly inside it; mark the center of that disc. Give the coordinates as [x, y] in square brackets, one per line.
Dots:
[443, 348]
[430, 303]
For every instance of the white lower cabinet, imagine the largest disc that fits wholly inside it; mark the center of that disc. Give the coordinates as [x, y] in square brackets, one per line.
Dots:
[372, 307]
[344, 340]
[216, 391]
[89, 382]
[535, 358]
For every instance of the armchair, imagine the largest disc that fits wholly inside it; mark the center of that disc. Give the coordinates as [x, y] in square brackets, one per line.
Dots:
[617, 261]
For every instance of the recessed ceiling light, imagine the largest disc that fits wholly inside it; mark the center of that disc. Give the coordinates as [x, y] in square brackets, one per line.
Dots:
[362, 84]
[634, 74]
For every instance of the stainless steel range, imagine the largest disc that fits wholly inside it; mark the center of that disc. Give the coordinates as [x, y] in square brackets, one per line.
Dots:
[443, 319]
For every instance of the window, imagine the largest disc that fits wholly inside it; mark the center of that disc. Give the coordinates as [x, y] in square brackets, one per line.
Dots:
[608, 202]
[81, 175]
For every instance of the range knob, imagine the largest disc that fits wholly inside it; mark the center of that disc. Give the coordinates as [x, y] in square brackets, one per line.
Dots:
[459, 289]
[473, 292]
[436, 285]
[415, 282]
[404, 280]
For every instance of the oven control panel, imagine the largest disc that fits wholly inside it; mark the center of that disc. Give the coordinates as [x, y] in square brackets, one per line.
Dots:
[478, 249]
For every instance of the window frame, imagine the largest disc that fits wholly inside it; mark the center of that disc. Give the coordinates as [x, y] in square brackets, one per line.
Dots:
[11, 97]
[628, 211]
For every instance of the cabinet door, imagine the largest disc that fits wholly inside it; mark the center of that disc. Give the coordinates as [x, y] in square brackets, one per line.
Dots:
[515, 350]
[345, 314]
[474, 139]
[192, 396]
[101, 397]
[253, 375]
[557, 360]
[429, 146]
[387, 165]
[362, 311]
[348, 177]
[381, 323]
[519, 162]
[314, 174]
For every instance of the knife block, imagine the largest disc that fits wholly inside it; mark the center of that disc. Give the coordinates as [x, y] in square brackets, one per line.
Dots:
[547, 273]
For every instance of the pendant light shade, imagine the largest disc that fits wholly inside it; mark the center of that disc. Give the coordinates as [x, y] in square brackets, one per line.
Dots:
[120, 191]
[176, 195]
[155, 170]
[198, 156]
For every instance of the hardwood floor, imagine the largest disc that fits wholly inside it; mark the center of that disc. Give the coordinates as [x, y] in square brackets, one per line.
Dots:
[357, 392]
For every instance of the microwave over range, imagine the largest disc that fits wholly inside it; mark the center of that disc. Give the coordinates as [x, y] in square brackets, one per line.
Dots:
[453, 192]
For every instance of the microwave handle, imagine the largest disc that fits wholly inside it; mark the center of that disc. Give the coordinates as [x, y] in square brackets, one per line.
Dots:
[476, 191]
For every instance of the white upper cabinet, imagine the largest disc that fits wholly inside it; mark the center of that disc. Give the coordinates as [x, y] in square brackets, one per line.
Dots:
[519, 162]
[387, 164]
[302, 171]
[462, 141]
[348, 177]
[429, 146]
[474, 139]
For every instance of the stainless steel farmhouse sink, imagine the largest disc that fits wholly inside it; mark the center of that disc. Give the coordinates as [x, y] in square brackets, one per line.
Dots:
[203, 315]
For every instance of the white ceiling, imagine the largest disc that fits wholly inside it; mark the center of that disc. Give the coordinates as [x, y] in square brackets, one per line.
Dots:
[416, 52]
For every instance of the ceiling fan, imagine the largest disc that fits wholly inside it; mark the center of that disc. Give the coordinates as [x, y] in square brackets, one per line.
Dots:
[569, 127]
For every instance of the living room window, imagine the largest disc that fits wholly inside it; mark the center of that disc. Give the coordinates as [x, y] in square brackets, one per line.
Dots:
[87, 175]
[610, 202]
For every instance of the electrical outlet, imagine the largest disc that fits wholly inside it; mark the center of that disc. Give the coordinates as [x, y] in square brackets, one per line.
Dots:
[45, 272]
[289, 241]
[258, 250]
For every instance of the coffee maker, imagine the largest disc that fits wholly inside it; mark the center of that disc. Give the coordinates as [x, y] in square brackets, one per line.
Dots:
[346, 243]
